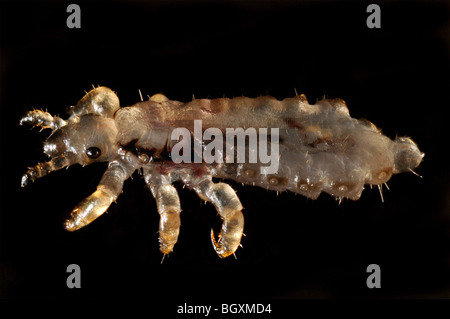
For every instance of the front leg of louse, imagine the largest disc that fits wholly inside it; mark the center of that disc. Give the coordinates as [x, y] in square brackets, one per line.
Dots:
[168, 205]
[107, 191]
[227, 204]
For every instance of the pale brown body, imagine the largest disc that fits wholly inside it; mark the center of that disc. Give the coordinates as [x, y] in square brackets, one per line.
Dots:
[321, 148]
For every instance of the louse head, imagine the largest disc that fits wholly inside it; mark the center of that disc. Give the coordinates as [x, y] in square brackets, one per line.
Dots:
[88, 136]
[85, 139]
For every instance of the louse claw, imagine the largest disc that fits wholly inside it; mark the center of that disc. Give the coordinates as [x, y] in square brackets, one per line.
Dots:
[220, 249]
[229, 236]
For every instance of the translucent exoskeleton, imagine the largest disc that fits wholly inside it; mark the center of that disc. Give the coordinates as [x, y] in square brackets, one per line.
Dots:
[320, 148]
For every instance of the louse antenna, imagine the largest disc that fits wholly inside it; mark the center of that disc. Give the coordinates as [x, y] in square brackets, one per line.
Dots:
[140, 94]
[414, 173]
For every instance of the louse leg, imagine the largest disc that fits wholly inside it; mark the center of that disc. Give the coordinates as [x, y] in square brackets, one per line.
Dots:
[227, 204]
[42, 169]
[96, 204]
[168, 205]
[42, 119]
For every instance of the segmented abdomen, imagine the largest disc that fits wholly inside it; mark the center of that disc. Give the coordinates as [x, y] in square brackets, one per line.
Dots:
[321, 148]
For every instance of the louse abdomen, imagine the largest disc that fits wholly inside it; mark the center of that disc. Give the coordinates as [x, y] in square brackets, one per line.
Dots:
[337, 160]
[321, 147]
[310, 186]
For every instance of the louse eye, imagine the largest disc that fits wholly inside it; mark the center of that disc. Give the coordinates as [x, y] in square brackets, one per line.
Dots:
[93, 152]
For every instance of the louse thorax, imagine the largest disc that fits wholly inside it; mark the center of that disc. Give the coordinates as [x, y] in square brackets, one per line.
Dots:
[144, 128]
[90, 135]
[85, 139]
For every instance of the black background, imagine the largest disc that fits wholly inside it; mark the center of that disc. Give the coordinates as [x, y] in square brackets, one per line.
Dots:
[396, 76]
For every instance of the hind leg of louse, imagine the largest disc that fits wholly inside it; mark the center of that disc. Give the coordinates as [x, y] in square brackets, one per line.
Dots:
[168, 205]
[42, 119]
[96, 204]
[227, 204]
